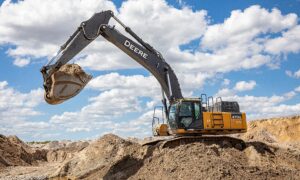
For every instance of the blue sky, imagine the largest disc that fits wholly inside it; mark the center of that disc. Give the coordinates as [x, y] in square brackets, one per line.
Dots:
[243, 50]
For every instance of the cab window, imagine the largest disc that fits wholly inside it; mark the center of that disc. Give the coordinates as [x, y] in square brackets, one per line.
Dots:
[185, 109]
[172, 116]
[185, 114]
[197, 110]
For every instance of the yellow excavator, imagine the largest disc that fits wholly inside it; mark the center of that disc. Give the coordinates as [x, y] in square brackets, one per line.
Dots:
[186, 119]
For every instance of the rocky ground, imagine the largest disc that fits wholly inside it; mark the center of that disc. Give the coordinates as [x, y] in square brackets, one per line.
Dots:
[272, 152]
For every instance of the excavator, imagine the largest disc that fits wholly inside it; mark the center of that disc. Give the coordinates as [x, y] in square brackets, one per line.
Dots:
[187, 119]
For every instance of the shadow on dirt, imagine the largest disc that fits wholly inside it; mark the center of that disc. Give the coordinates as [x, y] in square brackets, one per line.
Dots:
[128, 166]
[124, 168]
[261, 147]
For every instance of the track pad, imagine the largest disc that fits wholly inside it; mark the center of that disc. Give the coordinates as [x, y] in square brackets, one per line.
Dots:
[66, 83]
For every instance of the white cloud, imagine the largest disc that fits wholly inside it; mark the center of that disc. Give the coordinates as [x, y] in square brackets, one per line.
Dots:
[162, 23]
[243, 26]
[106, 106]
[238, 43]
[241, 42]
[138, 127]
[257, 107]
[224, 92]
[21, 62]
[226, 82]
[45, 136]
[140, 85]
[102, 55]
[3, 84]
[78, 129]
[145, 86]
[288, 42]
[297, 74]
[30, 126]
[102, 112]
[245, 86]
[289, 73]
[119, 96]
[166, 25]
[290, 94]
[15, 105]
[281, 110]
[17, 109]
[38, 28]
[293, 75]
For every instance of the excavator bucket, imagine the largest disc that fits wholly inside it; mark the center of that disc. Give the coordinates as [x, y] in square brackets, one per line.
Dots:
[65, 83]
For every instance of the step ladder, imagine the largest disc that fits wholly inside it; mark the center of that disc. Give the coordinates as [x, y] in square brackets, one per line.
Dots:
[217, 120]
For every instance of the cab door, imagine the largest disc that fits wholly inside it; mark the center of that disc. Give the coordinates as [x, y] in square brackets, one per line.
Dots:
[190, 115]
[172, 120]
[197, 115]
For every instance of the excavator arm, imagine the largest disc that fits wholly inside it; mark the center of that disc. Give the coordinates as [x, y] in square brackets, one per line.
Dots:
[141, 52]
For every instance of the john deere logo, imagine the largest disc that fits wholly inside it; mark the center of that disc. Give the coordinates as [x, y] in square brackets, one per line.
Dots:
[135, 49]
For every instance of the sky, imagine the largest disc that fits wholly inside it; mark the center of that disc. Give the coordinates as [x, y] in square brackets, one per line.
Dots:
[245, 51]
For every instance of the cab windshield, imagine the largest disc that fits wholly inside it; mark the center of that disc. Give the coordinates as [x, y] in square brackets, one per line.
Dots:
[185, 109]
[189, 114]
[186, 115]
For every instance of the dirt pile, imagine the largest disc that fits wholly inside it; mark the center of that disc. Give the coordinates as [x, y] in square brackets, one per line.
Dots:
[14, 152]
[257, 161]
[275, 130]
[60, 151]
[111, 157]
[102, 157]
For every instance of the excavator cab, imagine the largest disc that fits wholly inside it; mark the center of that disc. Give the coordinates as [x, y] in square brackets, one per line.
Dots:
[183, 114]
[192, 116]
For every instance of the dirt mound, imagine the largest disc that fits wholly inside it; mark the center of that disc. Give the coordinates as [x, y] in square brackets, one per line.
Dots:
[100, 156]
[14, 152]
[275, 130]
[64, 150]
[257, 161]
[111, 157]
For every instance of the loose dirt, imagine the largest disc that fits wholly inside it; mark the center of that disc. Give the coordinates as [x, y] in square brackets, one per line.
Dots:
[14, 152]
[269, 154]
[278, 130]
[65, 83]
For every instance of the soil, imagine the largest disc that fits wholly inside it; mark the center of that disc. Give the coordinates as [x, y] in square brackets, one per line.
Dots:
[276, 130]
[14, 152]
[65, 83]
[268, 154]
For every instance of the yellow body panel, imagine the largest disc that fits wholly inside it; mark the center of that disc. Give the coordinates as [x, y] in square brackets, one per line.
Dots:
[161, 130]
[218, 123]
[224, 120]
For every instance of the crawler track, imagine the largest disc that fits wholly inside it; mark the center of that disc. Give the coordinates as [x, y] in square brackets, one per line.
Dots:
[223, 141]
